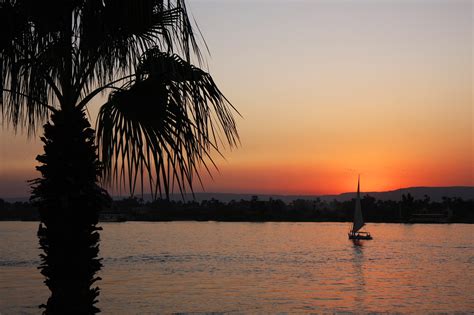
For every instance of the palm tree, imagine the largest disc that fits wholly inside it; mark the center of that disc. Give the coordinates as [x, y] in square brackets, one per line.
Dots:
[162, 119]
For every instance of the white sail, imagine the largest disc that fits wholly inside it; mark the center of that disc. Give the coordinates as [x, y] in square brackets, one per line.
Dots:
[358, 219]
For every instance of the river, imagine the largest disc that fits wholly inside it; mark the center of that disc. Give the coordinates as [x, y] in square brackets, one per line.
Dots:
[166, 267]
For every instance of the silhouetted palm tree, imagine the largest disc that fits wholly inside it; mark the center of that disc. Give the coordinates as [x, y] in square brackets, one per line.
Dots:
[162, 119]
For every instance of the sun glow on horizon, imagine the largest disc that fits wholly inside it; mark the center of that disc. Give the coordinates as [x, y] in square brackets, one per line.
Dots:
[328, 90]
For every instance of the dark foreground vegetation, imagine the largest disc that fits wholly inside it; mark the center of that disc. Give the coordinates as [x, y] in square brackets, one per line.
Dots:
[408, 210]
[163, 117]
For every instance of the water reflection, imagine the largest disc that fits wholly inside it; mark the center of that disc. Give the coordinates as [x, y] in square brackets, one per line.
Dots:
[359, 279]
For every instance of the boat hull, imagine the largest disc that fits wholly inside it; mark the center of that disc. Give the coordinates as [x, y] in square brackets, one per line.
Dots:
[359, 236]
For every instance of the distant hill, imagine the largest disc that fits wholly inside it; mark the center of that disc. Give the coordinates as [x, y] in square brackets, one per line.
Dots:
[435, 194]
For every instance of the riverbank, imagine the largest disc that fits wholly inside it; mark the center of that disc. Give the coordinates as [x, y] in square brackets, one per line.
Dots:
[408, 210]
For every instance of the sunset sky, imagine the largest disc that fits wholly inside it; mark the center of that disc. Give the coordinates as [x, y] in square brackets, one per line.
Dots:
[327, 90]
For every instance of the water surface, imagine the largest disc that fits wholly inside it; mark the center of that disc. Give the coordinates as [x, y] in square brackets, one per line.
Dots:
[258, 268]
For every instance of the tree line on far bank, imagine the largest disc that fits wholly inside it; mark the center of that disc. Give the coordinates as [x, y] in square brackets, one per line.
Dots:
[255, 209]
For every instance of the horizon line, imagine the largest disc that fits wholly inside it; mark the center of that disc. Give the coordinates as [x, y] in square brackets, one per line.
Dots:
[263, 194]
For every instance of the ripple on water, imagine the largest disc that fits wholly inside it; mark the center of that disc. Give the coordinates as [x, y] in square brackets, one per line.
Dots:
[259, 268]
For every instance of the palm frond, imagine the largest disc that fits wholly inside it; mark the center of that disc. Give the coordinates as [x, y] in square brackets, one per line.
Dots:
[115, 33]
[163, 126]
[195, 89]
[39, 47]
[28, 62]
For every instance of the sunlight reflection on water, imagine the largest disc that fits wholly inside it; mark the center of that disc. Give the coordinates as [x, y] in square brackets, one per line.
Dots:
[259, 268]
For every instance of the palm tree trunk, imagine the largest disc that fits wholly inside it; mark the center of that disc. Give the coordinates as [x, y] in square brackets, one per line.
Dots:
[69, 200]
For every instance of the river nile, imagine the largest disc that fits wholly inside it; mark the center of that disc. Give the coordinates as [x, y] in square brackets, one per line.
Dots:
[258, 268]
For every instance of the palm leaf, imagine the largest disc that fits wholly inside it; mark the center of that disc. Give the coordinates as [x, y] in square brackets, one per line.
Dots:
[28, 62]
[108, 37]
[163, 126]
[115, 33]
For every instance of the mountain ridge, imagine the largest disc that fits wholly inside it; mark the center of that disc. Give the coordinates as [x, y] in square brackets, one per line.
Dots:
[435, 193]
[418, 192]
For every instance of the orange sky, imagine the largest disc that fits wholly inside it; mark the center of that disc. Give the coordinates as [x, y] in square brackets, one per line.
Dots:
[329, 89]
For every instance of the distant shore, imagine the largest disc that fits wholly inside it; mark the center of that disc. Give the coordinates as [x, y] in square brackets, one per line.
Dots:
[408, 210]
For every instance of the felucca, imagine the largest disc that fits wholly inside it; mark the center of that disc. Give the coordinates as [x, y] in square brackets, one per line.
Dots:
[356, 233]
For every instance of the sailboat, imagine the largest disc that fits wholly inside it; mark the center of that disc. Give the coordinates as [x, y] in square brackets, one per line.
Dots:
[356, 233]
